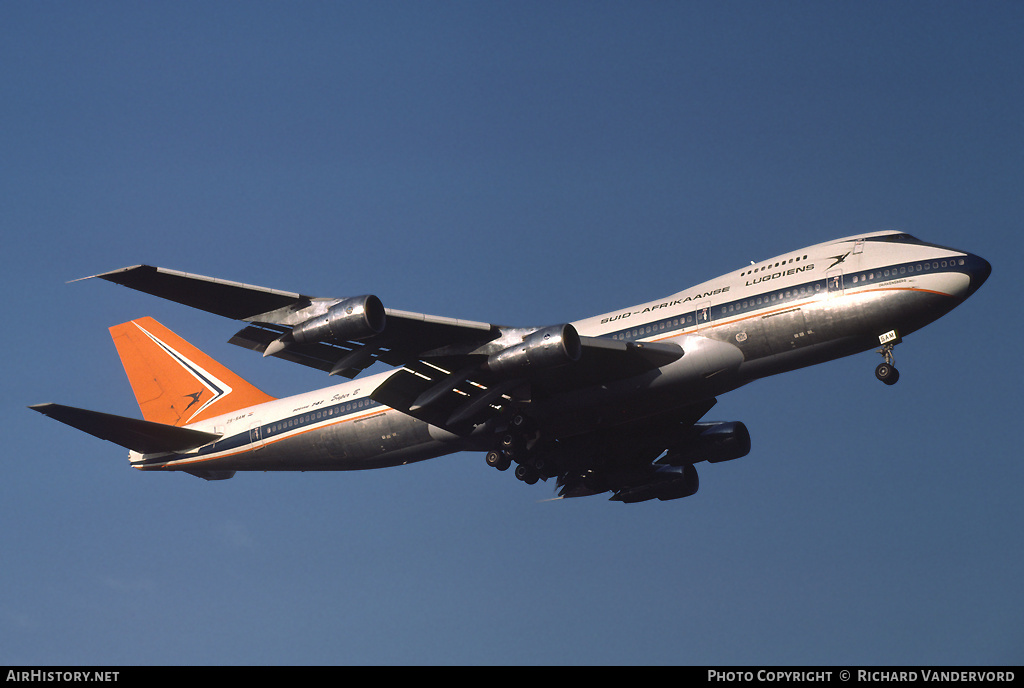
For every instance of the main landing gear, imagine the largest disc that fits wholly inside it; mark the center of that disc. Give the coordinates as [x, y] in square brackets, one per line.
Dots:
[886, 371]
[515, 444]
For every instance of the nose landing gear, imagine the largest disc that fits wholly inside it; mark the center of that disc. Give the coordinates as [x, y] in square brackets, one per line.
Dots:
[886, 371]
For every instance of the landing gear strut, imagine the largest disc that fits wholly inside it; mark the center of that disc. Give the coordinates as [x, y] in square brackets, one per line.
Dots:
[886, 372]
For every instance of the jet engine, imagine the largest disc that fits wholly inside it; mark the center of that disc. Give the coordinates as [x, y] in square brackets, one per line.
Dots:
[547, 347]
[711, 442]
[355, 318]
[667, 482]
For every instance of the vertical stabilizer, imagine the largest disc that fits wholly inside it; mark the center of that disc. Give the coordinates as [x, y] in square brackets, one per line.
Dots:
[174, 382]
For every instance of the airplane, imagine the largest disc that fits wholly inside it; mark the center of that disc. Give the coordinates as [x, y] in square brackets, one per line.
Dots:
[611, 403]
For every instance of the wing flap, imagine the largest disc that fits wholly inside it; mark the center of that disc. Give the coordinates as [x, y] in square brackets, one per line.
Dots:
[447, 393]
[142, 436]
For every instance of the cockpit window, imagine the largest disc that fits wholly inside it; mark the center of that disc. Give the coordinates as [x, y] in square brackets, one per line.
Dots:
[901, 239]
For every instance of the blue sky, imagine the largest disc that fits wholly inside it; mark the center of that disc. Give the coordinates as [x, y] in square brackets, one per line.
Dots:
[520, 163]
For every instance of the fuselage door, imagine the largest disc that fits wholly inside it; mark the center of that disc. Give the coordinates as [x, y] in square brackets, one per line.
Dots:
[834, 278]
[256, 436]
[702, 314]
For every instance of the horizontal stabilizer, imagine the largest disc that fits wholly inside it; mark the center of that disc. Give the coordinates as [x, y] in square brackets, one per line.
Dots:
[142, 436]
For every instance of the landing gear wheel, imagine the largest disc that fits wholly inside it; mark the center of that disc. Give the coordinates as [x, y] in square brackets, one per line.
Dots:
[887, 373]
[527, 474]
[499, 460]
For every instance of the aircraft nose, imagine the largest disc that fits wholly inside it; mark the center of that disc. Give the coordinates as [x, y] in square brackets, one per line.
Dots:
[978, 269]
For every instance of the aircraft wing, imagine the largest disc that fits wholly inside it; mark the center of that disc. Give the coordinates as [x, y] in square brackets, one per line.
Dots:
[274, 314]
[231, 299]
[455, 374]
[406, 336]
[460, 392]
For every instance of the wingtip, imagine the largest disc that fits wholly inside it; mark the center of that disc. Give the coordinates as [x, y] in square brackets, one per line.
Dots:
[47, 409]
[106, 275]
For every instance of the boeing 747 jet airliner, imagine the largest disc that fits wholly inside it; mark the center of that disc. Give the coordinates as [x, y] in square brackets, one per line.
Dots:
[612, 403]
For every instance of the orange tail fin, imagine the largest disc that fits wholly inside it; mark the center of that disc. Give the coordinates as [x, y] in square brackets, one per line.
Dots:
[174, 382]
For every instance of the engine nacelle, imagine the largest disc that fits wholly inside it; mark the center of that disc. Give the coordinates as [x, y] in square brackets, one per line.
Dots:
[711, 442]
[356, 318]
[668, 482]
[548, 347]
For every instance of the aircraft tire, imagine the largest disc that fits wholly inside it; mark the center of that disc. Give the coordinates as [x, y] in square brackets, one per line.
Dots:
[887, 373]
[527, 474]
[499, 460]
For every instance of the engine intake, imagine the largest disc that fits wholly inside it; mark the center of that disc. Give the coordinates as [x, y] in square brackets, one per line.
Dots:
[547, 347]
[357, 317]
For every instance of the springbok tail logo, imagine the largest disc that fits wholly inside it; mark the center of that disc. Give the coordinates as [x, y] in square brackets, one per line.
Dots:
[213, 388]
[174, 382]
